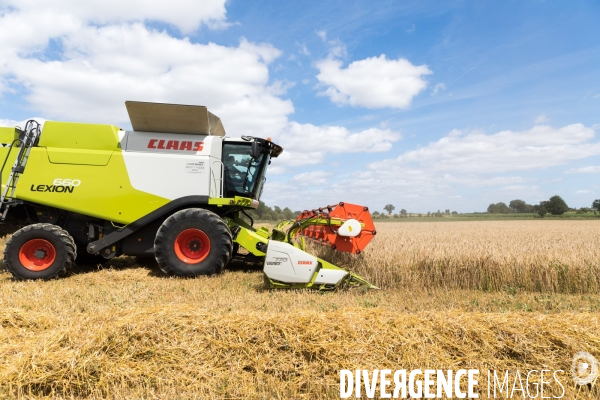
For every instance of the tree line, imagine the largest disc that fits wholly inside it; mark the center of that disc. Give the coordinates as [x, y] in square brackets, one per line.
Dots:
[555, 206]
[265, 213]
[389, 208]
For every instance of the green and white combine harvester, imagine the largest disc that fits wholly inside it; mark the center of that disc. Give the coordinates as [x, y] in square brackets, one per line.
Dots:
[173, 188]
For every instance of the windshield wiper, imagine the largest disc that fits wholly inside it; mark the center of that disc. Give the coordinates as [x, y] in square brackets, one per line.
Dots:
[248, 173]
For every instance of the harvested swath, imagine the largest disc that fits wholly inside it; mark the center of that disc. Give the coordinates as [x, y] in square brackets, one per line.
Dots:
[180, 350]
[541, 256]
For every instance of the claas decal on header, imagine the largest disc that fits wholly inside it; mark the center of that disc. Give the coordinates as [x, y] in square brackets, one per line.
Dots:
[173, 188]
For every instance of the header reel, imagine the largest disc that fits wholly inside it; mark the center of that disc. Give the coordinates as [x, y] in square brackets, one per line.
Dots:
[344, 227]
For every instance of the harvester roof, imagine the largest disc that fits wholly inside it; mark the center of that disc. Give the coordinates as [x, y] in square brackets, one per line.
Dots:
[173, 118]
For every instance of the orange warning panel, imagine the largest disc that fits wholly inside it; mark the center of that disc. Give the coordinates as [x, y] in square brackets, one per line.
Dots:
[325, 222]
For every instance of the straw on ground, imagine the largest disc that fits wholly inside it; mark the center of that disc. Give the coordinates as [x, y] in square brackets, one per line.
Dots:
[125, 331]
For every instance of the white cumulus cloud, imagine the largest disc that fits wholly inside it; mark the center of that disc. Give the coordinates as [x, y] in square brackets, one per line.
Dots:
[187, 15]
[10, 122]
[374, 82]
[74, 69]
[421, 179]
[542, 119]
[311, 178]
[476, 152]
[439, 87]
[307, 144]
[21, 124]
[322, 34]
[80, 64]
[592, 169]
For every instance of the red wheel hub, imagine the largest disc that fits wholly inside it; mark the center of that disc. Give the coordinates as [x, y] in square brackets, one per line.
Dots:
[192, 246]
[37, 254]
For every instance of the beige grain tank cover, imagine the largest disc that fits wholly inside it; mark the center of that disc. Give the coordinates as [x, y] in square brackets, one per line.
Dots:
[173, 118]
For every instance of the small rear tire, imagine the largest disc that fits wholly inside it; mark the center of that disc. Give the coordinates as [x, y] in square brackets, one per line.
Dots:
[193, 242]
[39, 251]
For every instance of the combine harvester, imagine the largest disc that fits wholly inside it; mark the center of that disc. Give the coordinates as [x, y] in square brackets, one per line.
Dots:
[173, 188]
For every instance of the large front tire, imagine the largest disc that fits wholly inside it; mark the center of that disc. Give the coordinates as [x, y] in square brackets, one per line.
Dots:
[193, 242]
[39, 251]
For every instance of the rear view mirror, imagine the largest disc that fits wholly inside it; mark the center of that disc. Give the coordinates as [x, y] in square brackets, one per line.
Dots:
[255, 149]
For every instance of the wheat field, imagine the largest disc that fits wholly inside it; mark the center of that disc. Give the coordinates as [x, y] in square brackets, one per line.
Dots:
[541, 256]
[517, 295]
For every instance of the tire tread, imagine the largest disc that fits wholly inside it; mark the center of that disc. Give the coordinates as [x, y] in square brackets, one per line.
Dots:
[224, 251]
[61, 234]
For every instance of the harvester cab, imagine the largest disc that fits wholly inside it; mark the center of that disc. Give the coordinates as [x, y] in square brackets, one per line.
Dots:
[173, 188]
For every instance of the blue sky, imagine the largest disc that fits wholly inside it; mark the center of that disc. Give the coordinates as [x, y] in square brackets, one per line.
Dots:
[425, 105]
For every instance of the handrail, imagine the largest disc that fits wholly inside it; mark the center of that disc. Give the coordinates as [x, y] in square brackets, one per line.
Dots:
[28, 138]
[7, 157]
[214, 180]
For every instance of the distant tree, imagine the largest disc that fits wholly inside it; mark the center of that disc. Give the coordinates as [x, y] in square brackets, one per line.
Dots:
[376, 214]
[447, 212]
[454, 213]
[518, 206]
[266, 213]
[403, 212]
[556, 206]
[498, 208]
[596, 204]
[287, 213]
[542, 211]
[273, 215]
[260, 211]
[438, 213]
[428, 214]
[389, 208]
